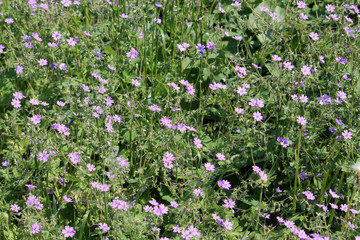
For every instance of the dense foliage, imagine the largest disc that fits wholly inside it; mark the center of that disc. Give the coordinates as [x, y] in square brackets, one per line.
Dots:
[179, 119]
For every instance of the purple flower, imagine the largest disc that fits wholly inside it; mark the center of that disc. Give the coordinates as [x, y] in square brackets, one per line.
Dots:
[242, 91]
[109, 101]
[63, 67]
[56, 36]
[74, 157]
[276, 58]
[334, 206]
[303, 98]
[301, 4]
[87, 33]
[182, 47]
[227, 224]
[224, 184]
[301, 120]
[262, 174]
[9, 20]
[314, 36]
[85, 88]
[324, 99]
[257, 116]
[303, 16]
[119, 205]
[36, 119]
[18, 95]
[35, 228]
[209, 167]
[220, 156]
[60, 103]
[256, 103]
[198, 192]
[288, 66]
[229, 203]
[34, 201]
[341, 60]
[68, 231]
[333, 194]
[344, 207]
[135, 82]
[123, 15]
[284, 142]
[90, 167]
[174, 204]
[36, 36]
[347, 134]
[221, 9]
[309, 195]
[200, 48]
[155, 108]
[104, 227]
[160, 210]
[306, 70]
[157, 4]
[169, 157]
[60, 128]
[66, 3]
[239, 110]
[19, 69]
[197, 143]
[15, 103]
[71, 41]
[330, 8]
[303, 175]
[42, 62]
[14, 208]
[43, 156]
[273, 15]
[67, 199]
[132, 54]
[101, 89]
[210, 45]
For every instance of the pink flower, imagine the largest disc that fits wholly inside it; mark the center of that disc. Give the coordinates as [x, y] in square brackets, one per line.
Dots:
[198, 192]
[314, 36]
[155, 108]
[224, 184]
[14, 208]
[309, 195]
[104, 227]
[257, 116]
[9, 20]
[160, 210]
[67, 199]
[301, 4]
[220, 156]
[71, 41]
[90, 167]
[42, 62]
[209, 167]
[347, 134]
[306, 70]
[229, 203]
[301, 120]
[197, 143]
[68, 231]
[132, 54]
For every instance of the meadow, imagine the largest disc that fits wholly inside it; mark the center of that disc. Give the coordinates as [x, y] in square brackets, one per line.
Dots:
[179, 119]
